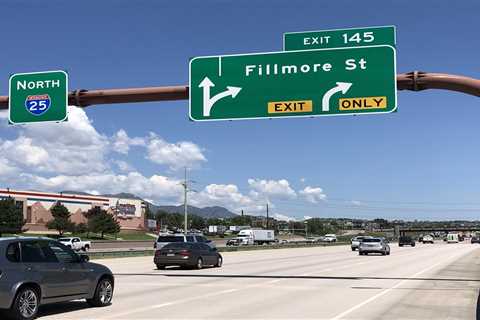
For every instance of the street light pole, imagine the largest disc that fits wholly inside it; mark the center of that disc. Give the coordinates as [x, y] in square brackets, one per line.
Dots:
[185, 189]
[306, 229]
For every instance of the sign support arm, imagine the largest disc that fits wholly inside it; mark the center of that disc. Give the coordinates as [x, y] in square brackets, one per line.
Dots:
[413, 81]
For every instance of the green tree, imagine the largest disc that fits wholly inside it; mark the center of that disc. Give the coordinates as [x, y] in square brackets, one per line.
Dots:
[197, 222]
[149, 213]
[102, 223]
[11, 216]
[81, 228]
[244, 220]
[88, 215]
[61, 219]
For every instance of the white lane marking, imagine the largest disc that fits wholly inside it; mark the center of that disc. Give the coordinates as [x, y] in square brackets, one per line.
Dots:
[167, 304]
[322, 270]
[358, 306]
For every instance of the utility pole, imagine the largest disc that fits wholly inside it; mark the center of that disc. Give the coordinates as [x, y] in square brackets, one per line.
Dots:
[267, 215]
[185, 189]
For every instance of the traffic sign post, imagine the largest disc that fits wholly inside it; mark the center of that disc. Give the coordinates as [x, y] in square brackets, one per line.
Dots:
[308, 83]
[339, 38]
[38, 97]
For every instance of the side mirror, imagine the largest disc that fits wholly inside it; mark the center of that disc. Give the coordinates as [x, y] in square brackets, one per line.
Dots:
[83, 258]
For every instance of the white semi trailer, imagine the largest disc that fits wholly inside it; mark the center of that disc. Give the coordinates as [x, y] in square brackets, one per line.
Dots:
[256, 236]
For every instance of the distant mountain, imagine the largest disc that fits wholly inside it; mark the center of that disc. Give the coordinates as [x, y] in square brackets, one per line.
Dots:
[207, 212]
[123, 195]
[76, 192]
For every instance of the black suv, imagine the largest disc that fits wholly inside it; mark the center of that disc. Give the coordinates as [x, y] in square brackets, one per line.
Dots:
[406, 241]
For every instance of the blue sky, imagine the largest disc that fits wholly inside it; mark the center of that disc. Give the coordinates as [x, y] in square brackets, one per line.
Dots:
[420, 162]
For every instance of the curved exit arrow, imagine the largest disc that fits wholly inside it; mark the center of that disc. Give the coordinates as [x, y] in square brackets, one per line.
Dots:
[341, 86]
[208, 102]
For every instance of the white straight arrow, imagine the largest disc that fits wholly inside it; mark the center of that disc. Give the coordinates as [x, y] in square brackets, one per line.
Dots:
[208, 102]
[341, 86]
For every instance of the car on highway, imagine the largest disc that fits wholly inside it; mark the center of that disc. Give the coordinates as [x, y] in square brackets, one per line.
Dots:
[76, 243]
[452, 238]
[312, 240]
[233, 242]
[330, 238]
[373, 245]
[406, 241]
[164, 239]
[427, 239]
[187, 254]
[475, 239]
[36, 271]
[355, 241]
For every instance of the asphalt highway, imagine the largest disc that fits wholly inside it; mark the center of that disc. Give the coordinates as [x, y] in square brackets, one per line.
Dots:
[439, 281]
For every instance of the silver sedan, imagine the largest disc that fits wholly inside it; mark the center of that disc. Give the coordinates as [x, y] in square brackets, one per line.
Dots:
[374, 245]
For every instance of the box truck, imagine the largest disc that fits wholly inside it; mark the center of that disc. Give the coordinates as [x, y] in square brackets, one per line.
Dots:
[256, 236]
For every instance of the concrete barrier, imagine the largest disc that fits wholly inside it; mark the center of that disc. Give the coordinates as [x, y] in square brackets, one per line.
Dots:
[138, 253]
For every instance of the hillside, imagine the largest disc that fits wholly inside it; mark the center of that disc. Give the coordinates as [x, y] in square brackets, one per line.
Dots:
[206, 212]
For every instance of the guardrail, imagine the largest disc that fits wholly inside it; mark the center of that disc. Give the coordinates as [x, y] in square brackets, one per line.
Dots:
[138, 253]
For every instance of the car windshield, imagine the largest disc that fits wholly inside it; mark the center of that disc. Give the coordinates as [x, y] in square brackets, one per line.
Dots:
[371, 240]
[64, 239]
[170, 239]
[178, 245]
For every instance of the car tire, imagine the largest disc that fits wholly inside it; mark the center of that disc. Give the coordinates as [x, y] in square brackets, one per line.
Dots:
[103, 293]
[25, 296]
[86, 248]
[388, 253]
[353, 249]
[199, 264]
[160, 267]
[400, 245]
[219, 262]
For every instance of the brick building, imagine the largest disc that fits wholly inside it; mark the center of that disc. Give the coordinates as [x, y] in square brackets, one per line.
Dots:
[130, 213]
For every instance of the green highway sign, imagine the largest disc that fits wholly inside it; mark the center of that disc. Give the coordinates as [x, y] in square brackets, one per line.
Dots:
[38, 97]
[306, 83]
[339, 38]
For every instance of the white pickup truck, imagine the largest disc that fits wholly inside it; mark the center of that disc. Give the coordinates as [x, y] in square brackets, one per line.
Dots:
[76, 243]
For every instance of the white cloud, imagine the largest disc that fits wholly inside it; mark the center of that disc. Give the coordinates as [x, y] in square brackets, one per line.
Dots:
[303, 180]
[6, 170]
[283, 217]
[123, 166]
[312, 194]
[174, 155]
[226, 195]
[69, 147]
[271, 188]
[356, 203]
[122, 142]
[156, 187]
[73, 155]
